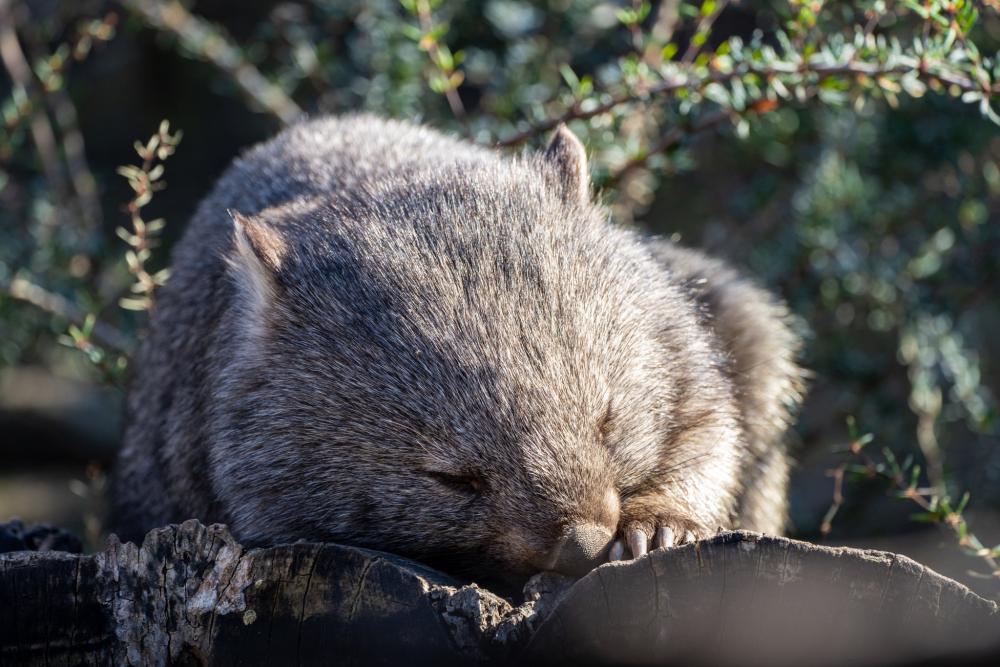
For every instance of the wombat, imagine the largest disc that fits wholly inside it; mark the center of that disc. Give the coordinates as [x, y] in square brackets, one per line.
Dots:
[378, 335]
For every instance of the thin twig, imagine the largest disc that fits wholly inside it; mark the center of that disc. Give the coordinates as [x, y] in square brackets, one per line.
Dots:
[20, 73]
[434, 51]
[23, 104]
[143, 236]
[676, 134]
[927, 416]
[104, 334]
[81, 178]
[670, 139]
[688, 80]
[927, 499]
[667, 17]
[210, 44]
[704, 27]
[838, 499]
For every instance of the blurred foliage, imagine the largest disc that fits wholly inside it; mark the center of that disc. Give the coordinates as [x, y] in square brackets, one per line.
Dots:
[902, 480]
[846, 153]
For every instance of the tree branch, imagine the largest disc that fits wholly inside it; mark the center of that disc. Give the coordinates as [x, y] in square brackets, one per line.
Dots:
[210, 44]
[103, 334]
[688, 79]
[20, 72]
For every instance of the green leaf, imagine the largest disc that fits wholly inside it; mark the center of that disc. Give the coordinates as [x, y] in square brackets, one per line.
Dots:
[918, 8]
[412, 32]
[88, 325]
[627, 17]
[134, 304]
[439, 84]
[962, 503]
[852, 428]
[966, 16]
[569, 76]
[444, 59]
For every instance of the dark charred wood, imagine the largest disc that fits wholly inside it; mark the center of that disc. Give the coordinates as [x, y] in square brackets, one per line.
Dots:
[190, 594]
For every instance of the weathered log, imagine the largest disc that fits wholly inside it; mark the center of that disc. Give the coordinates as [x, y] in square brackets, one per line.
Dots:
[746, 599]
[191, 594]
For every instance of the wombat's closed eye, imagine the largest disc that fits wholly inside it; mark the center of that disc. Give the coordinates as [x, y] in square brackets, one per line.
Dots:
[469, 483]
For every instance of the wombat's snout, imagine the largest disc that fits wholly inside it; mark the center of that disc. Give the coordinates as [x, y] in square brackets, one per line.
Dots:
[581, 549]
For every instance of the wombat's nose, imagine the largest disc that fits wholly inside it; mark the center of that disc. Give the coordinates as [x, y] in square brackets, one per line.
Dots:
[582, 548]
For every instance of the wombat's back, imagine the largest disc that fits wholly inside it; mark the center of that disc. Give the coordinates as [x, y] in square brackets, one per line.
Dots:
[340, 159]
[378, 335]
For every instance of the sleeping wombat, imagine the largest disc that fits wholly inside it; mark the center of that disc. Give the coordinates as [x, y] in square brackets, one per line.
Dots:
[378, 335]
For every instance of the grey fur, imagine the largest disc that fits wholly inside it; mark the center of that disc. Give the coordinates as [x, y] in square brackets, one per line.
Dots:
[411, 343]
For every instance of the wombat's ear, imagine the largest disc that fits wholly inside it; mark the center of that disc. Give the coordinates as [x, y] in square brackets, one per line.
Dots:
[257, 256]
[568, 159]
[257, 241]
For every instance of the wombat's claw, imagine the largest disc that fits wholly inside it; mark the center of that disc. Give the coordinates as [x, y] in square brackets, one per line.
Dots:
[637, 542]
[664, 538]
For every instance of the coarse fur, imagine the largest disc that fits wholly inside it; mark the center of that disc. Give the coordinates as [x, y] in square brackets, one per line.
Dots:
[378, 335]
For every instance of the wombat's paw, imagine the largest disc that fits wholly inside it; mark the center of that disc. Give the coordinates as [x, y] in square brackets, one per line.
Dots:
[638, 538]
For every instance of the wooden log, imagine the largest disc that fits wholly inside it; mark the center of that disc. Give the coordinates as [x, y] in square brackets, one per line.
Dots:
[746, 599]
[192, 595]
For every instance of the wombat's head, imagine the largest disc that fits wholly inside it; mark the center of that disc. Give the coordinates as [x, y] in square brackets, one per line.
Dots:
[468, 367]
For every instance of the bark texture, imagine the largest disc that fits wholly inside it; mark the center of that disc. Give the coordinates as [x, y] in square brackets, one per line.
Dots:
[192, 595]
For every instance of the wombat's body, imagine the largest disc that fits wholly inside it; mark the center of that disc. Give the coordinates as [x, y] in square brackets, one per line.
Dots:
[410, 343]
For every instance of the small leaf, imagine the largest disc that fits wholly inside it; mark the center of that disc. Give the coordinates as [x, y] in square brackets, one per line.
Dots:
[412, 32]
[962, 503]
[569, 76]
[134, 304]
[88, 325]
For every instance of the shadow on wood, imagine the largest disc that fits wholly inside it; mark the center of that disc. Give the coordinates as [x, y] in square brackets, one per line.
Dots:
[192, 595]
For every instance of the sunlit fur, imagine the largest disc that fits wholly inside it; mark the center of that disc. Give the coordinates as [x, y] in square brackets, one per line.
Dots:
[378, 335]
